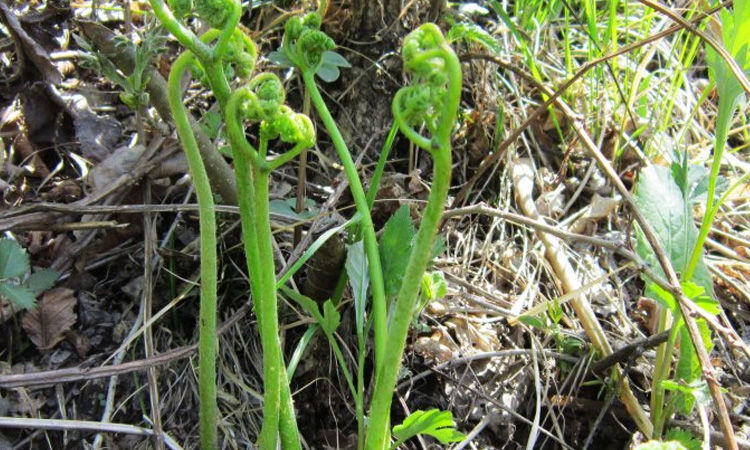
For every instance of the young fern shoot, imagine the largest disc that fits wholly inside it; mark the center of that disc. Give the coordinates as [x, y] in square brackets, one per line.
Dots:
[304, 45]
[262, 101]
[431, 100]
[222, 53]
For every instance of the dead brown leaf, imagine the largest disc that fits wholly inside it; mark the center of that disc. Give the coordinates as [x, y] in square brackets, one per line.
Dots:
[53, 316]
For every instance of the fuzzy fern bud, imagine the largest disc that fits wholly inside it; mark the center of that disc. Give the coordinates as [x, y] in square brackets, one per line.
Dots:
[271, 96]
[180, 8]
[311, 45]
[214, 12]
[436, 78]
[304, 43]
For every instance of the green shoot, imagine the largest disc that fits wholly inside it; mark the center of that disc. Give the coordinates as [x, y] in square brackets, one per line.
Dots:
[432, 100]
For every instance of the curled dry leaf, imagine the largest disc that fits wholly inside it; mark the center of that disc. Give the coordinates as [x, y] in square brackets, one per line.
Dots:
[53, 316]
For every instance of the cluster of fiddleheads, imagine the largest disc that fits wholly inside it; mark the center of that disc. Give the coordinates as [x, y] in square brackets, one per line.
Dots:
[225, 53]
[218, 56]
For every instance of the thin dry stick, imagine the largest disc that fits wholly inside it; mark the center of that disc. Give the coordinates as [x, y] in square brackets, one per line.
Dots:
[61, 424]
[523, 180]
[112, 386]
[73, 374]
[149, 236]
[553, 97]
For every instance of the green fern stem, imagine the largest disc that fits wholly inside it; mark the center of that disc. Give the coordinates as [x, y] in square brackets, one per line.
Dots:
[207, 341]
[430, 57]
[252, 187]
[361, 204]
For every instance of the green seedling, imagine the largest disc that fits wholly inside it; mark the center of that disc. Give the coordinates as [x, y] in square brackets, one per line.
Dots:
[431, 101]
[133, 85]
[435, 423]
[18, 284]
[304, 45]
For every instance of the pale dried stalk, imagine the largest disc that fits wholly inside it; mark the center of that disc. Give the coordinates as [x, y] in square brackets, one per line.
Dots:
[523, 180]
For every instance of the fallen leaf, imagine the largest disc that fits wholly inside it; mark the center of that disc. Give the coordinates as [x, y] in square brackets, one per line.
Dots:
[96, 134]
[53, 316]
[122, 161]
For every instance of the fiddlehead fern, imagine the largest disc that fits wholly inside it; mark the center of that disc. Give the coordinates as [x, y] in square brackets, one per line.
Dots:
[219, 54]
[304, 43]
[435, 94]
[262, 100]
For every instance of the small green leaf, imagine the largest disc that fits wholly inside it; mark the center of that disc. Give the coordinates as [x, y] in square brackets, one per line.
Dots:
[331, 58]
[473, 34]
[41, 280]
[279, 58]
[395, 249]
[329, 66]
[693, 182]
[17, 295]
[436, 423]
[211, 124]
[659, 445]
[328, 73]
[684, 437]
[359, 280]
[14, 262]
[434, 286]
[286, 208]
[331, 317]
[533, 321]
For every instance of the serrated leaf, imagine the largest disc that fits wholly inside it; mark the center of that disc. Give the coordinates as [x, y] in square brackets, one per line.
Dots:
[684, 437]
[473, 34]
[331, 317]
[395, 249]
[41, 280]
[328, 73]
[436, 423]
[659, 445]
[14, 262]
[52, 317]
[18, 295]
[359, 280]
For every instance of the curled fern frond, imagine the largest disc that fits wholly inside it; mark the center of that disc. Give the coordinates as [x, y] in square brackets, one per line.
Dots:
[238, 58]
[311, 45]
[295, 128]
[180, 8]
[432, 97]
[304, 43]
[270, 95]
[214, 12]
